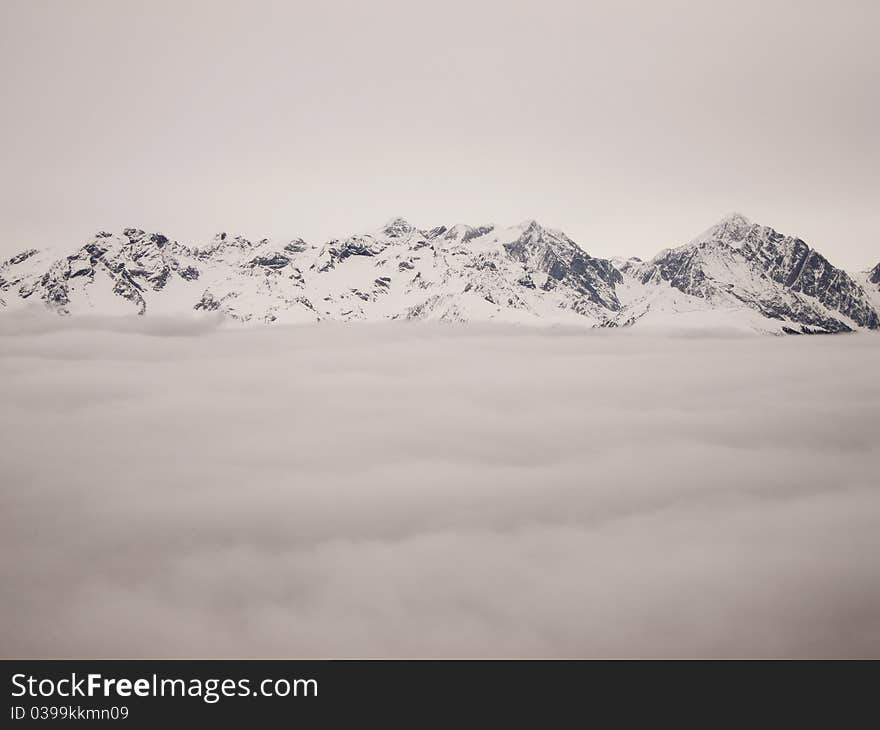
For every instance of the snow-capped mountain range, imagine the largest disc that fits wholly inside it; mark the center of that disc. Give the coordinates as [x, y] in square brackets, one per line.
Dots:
[737, 274]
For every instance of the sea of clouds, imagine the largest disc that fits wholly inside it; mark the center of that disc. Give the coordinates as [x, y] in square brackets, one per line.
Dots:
[189, 489]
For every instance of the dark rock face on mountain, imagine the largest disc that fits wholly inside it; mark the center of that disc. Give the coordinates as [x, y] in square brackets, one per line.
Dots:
[273, 260]
[338, 251]
[792, 263]
[737, 273]
[128, 264]
[556, 255]
[460, 273]
[779, 276]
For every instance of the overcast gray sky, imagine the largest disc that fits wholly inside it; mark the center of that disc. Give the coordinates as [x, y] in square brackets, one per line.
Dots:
[630, 125]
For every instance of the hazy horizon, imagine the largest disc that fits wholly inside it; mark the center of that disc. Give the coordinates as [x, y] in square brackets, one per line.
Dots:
[630, 126]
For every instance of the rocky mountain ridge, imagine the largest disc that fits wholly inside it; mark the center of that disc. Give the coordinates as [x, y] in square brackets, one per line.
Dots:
[736, 274]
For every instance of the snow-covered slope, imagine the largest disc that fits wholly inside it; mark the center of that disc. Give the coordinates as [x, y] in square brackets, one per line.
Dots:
[740, 269]
[522, 273]
[736, 274]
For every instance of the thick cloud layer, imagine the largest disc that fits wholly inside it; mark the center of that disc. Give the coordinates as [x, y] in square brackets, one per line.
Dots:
[416, 490]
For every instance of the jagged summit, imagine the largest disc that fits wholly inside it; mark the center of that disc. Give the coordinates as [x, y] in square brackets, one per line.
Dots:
[535, 230]
[397, 227]
[737, 273]
[731, 230]
[734, 219]
[733, 222]
[738, 263]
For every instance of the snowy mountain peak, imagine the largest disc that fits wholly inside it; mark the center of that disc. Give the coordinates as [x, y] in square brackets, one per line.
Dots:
[737, 273]
[224, 245]
[397, 227]
[734, 220]
[138, 237]
[533, 230]
[730, 230]
[464, 233]
[737, 263]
